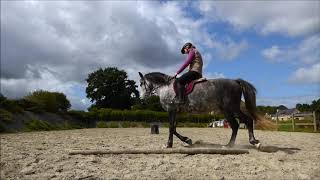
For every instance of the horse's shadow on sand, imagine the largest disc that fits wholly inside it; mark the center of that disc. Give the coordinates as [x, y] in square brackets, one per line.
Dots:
[268, 149]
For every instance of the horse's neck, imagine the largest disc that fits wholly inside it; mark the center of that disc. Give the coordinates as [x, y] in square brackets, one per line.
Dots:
[166, 92]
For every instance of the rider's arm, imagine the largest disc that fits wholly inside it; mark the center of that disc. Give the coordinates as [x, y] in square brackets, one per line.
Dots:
[187, 62]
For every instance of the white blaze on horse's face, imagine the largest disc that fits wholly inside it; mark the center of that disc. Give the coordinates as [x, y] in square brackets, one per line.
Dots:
[146, 88]
[143, 88]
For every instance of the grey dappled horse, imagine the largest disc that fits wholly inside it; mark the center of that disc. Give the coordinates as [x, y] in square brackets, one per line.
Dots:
[218, 95]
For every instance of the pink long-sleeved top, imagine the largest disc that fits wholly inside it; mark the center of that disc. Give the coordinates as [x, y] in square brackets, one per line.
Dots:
[189, 59]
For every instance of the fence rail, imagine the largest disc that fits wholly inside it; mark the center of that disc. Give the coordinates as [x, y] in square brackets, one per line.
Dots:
[315, 119]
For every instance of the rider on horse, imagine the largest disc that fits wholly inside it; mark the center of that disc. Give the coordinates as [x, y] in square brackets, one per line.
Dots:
[194, 60]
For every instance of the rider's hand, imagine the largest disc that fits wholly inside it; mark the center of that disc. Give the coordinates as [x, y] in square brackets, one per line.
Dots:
[175, 76]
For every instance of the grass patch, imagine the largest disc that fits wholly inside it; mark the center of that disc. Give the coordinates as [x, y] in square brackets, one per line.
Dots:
[102, 124]
[192, 125]
[298, 128]
[67, 126]
[39, 125]
[126, 124]
[145, 125]
[113, 125]
[2, 128]
[122, 124]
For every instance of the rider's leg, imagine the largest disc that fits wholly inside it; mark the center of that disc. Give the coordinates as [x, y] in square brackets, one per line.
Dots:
[181, 83]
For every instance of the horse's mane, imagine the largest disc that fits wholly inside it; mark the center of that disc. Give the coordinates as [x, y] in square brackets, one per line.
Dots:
[158, 78]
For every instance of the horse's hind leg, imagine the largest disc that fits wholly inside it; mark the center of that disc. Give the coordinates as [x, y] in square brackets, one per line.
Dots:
[249, 123]
[234, 126]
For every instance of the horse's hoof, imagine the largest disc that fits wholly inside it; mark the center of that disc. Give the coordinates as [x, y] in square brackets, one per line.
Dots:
[188, 141]
[254, 142]
[258, 145]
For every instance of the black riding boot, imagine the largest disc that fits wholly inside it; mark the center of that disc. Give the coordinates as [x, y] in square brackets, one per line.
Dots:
[180, 99]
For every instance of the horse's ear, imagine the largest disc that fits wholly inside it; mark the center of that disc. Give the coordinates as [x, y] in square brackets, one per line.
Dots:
[141, 75]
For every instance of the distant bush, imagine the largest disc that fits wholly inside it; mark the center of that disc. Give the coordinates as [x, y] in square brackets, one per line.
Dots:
[102, 124]
[80, 116]
[5, 116]
[196, 125]
[67, 125]
[152, 103]
[145, 125]
[39, 125]
[47, 101]
[32, 106]
[126, 124]
[2, 128]
[11, 105]
[145, 116]
[113, 125]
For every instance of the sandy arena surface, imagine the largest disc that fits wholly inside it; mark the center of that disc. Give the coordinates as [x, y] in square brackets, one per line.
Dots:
[44, 155]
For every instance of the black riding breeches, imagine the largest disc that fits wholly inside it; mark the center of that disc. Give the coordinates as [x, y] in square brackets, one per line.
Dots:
[188, 77]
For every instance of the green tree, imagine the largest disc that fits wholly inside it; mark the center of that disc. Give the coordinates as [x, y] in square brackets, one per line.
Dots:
[315, 106]
[63, 104]
[2, 97]
[110, 88]
[48, 101]
[267, 109]
[303, 107]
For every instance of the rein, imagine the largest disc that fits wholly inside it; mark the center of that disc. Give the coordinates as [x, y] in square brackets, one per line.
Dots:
[153, 89]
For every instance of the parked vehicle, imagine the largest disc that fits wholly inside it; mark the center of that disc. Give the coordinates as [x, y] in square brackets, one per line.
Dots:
[219, 123]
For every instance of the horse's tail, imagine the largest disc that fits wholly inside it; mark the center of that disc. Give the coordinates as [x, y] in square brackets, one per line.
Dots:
[249, 92]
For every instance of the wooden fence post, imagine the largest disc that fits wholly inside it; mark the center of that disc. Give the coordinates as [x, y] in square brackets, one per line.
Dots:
[314, 121]
[293, 122]
[277, 120]
[154, 129]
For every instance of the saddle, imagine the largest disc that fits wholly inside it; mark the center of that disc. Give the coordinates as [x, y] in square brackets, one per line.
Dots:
[189, 87]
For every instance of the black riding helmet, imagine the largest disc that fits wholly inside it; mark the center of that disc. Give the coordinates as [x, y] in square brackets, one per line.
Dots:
[188, 44]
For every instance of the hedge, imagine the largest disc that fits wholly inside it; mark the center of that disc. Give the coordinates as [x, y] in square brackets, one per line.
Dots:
[138, 116]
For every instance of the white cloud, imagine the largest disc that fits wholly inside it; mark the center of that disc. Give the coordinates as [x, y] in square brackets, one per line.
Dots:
[42, 79]
[305, 55]
[214, 75]
[289, 102]
[227, 49]
[307, 52]
[54, 45]
[273, 53]
[306, 75]
[293, 18]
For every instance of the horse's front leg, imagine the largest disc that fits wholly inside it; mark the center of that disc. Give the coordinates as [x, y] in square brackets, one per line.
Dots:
[182, 138]
[171, 128]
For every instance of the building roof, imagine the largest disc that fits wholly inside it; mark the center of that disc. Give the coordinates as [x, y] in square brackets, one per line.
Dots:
[287, 112]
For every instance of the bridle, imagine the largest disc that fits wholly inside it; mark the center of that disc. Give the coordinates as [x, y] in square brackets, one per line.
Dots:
[149, 88]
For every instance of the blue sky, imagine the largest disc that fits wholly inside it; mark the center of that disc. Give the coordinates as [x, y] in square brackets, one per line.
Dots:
[54, 45]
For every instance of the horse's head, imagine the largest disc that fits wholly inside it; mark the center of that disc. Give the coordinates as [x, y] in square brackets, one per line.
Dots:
[146, 87]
